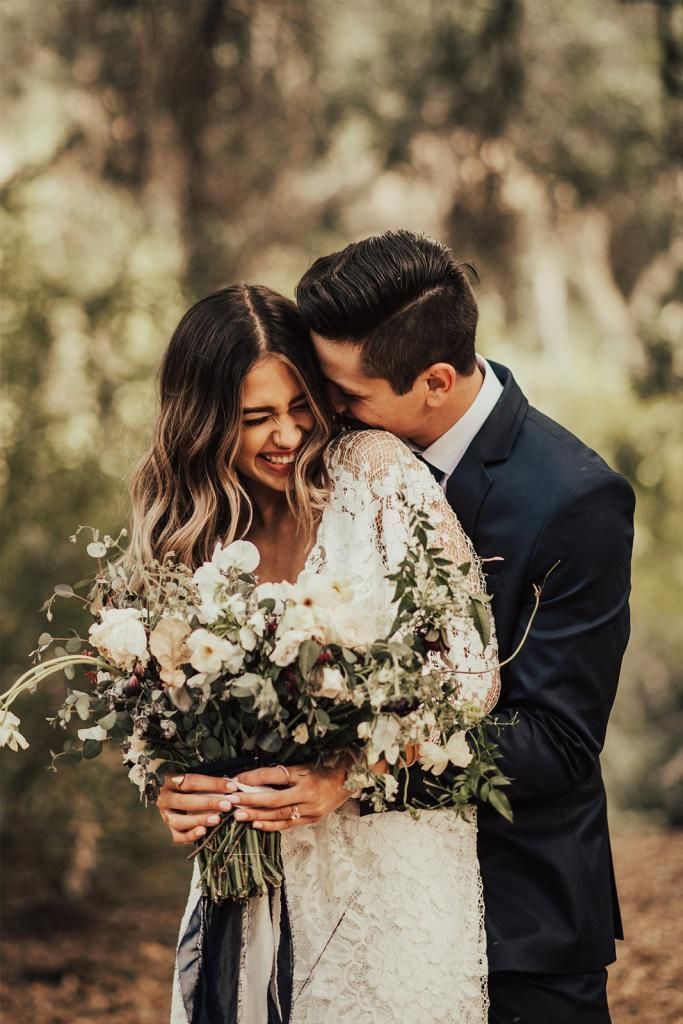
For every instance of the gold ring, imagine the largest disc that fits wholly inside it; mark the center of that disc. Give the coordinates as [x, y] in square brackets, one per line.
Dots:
[178, 781]
[286, 771]
[296, 813]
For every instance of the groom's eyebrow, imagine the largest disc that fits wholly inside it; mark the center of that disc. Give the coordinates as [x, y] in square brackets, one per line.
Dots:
[271, 408]
[344, 390]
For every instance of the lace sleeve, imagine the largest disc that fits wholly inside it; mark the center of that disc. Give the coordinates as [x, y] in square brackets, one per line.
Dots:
[379, 479]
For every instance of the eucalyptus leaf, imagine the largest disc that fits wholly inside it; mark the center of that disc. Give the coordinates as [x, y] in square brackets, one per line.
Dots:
[211, 748]
[308, 655]
[64, 590]
[271, 742]
[109, 721]
[73, 645]
[500, 802]
[481, 619]
[92, 749]
[44, 638]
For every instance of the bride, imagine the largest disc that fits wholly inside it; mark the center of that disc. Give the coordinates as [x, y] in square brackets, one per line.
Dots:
[385, 910]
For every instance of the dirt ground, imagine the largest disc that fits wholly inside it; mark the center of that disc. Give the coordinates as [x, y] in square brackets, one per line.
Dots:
[116, 967]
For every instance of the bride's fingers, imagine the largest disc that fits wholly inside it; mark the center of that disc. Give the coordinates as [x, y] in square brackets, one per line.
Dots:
[282, 826]
[191, 783]
[278, 775]
[171, 800]
[264, 814]
[189, 822]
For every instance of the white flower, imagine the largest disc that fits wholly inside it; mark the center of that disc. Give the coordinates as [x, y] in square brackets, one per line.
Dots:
[287, 647]
[433, 757]
[206, 578]
[390, 786]
[237, 606]
[9, 733]
[332, 682]
[241, 555]
[97, 549]
[121, 637]
[458, 751]
[257, 622]
[200, 682]
[139, 772]
[277, 592]
[247, 638]
[95, 733]
[303, 618]
[210, 653]
[383, 739]
[352, 626]
[300, 734]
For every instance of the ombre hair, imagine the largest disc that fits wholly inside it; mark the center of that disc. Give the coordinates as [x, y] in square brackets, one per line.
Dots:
[186, 492]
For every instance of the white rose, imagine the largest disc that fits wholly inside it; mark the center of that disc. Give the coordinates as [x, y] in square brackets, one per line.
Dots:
[211, 653]
[287, 647]
[121, 637]
[332, 683]
[303, 618]
[300, 734]
[241, 555]
[352, 626]
[458, 751]
[9, 733]
[433, 758]
[277, 592]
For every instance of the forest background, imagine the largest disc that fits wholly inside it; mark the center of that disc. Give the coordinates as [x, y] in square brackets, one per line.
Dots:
[155, 150]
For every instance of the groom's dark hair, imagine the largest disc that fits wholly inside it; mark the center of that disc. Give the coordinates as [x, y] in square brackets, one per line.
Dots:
[402, 298]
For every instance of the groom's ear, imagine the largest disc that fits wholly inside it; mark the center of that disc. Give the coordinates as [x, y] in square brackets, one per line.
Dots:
[438, 382]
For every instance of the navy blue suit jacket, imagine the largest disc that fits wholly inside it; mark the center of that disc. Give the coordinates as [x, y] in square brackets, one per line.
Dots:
[530, 491]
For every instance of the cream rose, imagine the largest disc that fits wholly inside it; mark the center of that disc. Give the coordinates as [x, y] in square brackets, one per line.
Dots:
[210, 653]
[121, 637]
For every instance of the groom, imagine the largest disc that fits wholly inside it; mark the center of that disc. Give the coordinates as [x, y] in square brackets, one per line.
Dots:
[393, 319]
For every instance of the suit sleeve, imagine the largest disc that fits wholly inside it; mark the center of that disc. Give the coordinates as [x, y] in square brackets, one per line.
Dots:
[561, 687]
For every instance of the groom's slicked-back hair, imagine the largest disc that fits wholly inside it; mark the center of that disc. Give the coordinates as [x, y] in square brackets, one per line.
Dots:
[402, 298]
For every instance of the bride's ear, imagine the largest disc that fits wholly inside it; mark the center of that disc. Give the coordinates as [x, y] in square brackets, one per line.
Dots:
[438, 382]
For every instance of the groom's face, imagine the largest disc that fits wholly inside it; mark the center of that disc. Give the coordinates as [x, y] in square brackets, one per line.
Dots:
[370, 400]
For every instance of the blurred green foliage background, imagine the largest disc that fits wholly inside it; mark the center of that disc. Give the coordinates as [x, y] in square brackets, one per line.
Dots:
[154, 150]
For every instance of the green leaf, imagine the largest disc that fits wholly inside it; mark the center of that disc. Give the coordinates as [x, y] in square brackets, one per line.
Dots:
[92, 749]
[464, 568]
[500, 802]
[271, 742]
[322, 716]
[44, 638]
[109, 721]
[69, 672]
[480, 617]
[211, 748]
[308, 655]
[348, 656]
[73, 645]
[268, 603]
[64, 590]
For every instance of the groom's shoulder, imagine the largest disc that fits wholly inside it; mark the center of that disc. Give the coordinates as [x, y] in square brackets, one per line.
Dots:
[558, 454]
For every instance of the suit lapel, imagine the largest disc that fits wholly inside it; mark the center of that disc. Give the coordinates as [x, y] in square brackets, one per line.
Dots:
[471, 481]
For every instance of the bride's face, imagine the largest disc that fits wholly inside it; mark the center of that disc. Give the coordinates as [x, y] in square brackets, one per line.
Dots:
[276, 420]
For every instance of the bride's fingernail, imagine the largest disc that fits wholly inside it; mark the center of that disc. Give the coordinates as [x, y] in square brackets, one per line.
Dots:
[213, 819]
[240, 815]
[225, 805]
[230, 786]
[177, 780]
[200, 832]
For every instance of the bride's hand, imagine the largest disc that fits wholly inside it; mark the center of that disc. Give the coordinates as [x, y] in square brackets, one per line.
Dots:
[310, 796]
[192, 804]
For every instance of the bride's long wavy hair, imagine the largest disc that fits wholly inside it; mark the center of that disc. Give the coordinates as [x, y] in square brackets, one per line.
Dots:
[186, 492]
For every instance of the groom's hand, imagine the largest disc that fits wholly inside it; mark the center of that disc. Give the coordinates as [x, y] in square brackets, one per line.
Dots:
[310, 795]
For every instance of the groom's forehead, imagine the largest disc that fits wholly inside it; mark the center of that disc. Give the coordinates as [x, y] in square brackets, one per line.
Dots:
[338, 358]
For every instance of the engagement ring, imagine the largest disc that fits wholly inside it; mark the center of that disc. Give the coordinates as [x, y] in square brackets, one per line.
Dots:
[296, 813]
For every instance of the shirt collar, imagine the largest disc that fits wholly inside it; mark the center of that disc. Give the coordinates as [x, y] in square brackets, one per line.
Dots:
[446, 452]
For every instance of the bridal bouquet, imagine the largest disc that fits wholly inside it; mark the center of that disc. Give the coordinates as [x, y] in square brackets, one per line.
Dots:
[198, 671]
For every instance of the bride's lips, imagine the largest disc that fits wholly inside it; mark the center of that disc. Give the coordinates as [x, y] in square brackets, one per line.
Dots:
[279, 463]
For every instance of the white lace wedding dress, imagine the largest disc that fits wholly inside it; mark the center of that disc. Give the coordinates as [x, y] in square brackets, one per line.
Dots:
[386, 911]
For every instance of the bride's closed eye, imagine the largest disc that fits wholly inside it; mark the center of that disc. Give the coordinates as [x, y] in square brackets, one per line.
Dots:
[299, 407]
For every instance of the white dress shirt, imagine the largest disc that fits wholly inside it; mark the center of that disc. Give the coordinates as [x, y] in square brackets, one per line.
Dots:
[446, 452]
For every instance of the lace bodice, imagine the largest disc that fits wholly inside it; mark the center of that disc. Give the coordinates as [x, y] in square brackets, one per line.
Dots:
[363, 534]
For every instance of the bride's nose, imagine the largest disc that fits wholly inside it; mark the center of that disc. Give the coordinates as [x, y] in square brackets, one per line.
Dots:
[287, 434]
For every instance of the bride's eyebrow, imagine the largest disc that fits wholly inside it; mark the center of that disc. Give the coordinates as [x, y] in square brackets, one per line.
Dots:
[271, 408]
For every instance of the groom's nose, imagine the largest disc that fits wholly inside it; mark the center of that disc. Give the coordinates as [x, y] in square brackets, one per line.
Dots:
[336, 397]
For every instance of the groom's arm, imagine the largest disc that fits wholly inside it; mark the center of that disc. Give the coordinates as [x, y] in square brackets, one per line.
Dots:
[561, 687]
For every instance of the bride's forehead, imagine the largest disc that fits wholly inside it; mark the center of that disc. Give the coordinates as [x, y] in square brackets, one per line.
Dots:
[271, 379]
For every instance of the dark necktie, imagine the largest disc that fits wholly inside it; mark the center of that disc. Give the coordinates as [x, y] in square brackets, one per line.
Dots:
[436, 473]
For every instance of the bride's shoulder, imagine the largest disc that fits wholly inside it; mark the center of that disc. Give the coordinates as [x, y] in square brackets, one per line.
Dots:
[367, 453]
